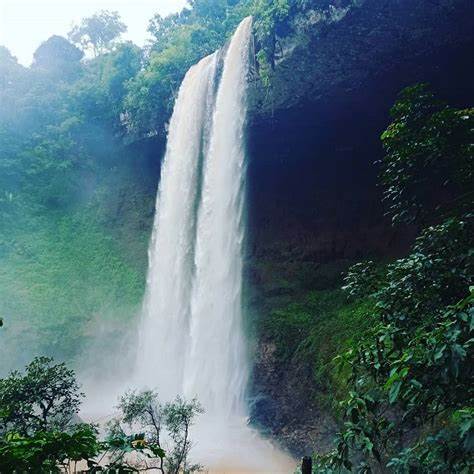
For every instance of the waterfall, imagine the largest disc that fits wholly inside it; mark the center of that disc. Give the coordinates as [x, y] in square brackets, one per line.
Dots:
[165, 322]
[216, 366]
[191, 336]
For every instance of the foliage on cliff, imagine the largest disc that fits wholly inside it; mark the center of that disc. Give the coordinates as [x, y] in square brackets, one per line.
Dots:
[410, 387]
[428, 169]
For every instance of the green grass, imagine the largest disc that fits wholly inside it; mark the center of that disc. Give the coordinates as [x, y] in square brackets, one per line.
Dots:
[59, 274]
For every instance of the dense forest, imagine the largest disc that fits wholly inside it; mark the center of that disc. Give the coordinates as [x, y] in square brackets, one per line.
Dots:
[381, 334]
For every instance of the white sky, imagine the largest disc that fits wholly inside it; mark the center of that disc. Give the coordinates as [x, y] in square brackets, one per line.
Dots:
[25, 24]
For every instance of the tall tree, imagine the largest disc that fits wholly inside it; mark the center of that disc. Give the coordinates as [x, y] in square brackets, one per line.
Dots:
[9, 69]
[58, 56]
[98, 32]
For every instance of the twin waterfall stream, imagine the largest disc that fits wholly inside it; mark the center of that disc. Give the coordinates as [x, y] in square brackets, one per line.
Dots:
[191, 334]
[191, 337]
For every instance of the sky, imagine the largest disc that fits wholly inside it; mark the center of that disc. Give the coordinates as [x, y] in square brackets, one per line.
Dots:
[25, 24]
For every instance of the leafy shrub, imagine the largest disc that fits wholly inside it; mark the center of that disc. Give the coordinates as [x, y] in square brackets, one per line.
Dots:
[46, 397]
[436, 273]
[48, 451]
[410, 401]
[428, 169]
[362, 279]
[37, 429]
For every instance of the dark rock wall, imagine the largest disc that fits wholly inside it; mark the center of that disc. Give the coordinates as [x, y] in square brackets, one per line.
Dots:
[380, 38]
[313, 141]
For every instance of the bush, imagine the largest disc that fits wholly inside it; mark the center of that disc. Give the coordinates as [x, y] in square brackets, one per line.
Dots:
[156, 421]
[410, 401]
[45, 397]
[48, 451]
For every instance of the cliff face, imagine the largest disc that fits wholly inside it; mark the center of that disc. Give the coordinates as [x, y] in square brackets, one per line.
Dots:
[313, 140]
[314, 135]
[335, 54]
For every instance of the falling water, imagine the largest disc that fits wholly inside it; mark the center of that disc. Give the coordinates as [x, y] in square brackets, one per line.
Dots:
[191, 335]
[191, 340]
[216, 366]
[163, 332]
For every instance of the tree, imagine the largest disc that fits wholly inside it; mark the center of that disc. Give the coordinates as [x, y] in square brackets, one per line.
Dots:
[179, 416]
[45, 397]
[410, 390]
[156, 421]
[119, 67]
[162, 29]
[98, 32]
[13, 80]
[428, 169]
[9, 69]
[57, 55]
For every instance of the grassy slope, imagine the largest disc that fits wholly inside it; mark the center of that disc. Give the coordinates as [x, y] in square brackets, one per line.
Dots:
[63, 272]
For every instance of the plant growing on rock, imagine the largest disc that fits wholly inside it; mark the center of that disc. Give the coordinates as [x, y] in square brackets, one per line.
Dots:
[410, 402]
[428, 168]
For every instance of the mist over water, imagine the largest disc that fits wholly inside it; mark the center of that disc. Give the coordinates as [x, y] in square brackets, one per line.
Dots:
[191, 335]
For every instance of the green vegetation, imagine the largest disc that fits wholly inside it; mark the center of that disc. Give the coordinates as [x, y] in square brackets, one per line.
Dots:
[50, 451]
[157, 421]
[392, 350]
[46, 397]
[74, 232]
[409, 406]
[315, 327]
[37, 427]
[428, 170]
[40, 430]
[98, 32]
[57, 274]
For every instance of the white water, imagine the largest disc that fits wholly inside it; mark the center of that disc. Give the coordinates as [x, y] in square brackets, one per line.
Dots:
[216, 368]
[164, 333]
[191, 339]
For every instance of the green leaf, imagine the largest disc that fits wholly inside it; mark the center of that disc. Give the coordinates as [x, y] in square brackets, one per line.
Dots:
[394, 391]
